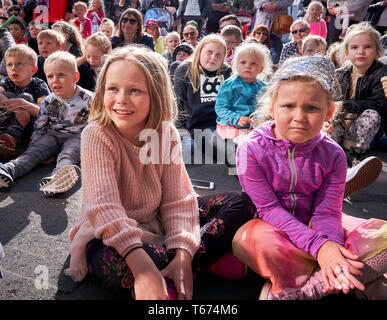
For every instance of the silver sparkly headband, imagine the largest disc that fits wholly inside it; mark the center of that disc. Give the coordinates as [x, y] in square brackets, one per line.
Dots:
[318, 68]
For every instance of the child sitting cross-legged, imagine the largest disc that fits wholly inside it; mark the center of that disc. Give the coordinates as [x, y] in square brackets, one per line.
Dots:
[61, 119]
[20, 98]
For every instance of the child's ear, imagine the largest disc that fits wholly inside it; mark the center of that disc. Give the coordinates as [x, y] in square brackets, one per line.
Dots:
[271, 112]
[260, 70]
[331, 110]
[34, 69]
[76, 77]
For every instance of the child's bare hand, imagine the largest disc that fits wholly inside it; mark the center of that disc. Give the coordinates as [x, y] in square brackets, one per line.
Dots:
[180, 271]
[243, 121]
[339, 267]
[150, 285]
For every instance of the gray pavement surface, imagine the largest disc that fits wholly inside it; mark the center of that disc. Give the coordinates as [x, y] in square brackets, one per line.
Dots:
[34, 233]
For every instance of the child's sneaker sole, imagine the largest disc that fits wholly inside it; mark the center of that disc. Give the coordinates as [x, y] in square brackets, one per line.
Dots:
[362, 175]
[266, 293]
[6, 180]
[62, 181]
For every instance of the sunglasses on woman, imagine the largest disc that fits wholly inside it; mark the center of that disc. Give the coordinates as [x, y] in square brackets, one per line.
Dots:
[299, 30]
[186, 34]
[131, 21]
[260, 33]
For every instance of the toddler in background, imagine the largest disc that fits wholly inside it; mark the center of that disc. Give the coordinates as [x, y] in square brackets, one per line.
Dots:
[34, 28]
[237, 96]
[49, 41]
[172, 40]
[95, 13]
[314, 16]
[18, 29]
[232, 35]
[363, 113]
[152, 28]
[61, 119]
[95, 48]
[72, 38]
[107, 27]
[81, 21]
[314, 45]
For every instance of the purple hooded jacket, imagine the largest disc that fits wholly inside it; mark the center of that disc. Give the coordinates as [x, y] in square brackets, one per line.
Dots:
[298, 189]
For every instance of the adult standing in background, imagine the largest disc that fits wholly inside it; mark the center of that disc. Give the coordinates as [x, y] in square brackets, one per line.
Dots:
[265, 15]
[356, 9]
[6, 41]
[378, 15]
[220, 8]
[196, 10]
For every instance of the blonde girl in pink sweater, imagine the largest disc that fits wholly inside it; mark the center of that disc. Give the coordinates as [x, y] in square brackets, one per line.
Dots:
[139, 230]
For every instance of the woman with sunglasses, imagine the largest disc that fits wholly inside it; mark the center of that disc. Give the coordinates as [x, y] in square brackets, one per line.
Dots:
[130, 30]
[298, 30]
[262, 34]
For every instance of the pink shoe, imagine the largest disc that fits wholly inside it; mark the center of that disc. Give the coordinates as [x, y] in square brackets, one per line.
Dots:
[313, 289]
[229, 267]
[374, 278]
[376, 290]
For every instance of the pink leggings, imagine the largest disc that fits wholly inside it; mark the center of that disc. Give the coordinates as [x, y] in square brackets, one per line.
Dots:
[267, 250]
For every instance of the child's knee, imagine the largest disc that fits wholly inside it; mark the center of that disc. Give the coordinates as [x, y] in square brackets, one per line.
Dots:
[259, 236]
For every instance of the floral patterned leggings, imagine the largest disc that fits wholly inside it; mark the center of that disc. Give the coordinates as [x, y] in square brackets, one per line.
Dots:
[221, 215]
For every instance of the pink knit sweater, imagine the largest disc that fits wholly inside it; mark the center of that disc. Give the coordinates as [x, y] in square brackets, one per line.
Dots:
[122, 197]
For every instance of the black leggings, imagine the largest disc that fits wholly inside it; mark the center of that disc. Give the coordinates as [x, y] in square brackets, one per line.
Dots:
[221, 215]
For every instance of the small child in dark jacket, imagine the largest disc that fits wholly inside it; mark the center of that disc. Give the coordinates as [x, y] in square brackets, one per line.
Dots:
[49, 41]
[363, 111]
[96, 47]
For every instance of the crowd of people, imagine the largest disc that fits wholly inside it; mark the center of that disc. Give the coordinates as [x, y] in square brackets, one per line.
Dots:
[126, 93]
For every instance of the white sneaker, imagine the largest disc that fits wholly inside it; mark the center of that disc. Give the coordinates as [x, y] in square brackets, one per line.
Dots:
[63, 180]
[362, 175]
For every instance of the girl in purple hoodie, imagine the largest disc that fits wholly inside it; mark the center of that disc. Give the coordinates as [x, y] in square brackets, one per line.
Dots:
[300, 240]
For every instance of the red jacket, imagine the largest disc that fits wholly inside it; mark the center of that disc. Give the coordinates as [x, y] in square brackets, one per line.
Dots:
[56, 11]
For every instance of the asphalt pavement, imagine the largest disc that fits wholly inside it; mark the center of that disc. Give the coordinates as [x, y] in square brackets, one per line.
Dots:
[34, 233]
